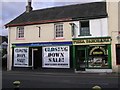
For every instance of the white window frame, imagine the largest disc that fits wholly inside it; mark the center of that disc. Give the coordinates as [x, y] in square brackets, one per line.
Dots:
[84, 34]
[20, 32]
[58, 31]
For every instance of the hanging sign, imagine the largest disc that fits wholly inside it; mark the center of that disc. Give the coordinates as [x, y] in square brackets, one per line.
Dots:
[56, 57]
[21, 57]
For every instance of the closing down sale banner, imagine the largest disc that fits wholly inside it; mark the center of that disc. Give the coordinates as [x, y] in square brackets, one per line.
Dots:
[21, 57]
[56, 57]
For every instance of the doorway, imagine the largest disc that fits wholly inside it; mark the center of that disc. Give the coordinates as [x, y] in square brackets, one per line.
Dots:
[36, 58]
[81, 59]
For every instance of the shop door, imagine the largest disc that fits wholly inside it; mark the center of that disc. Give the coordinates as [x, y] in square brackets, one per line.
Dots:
[35, 59]
[81, 59]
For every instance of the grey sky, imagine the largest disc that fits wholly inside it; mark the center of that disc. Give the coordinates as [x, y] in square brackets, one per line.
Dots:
[10, 9]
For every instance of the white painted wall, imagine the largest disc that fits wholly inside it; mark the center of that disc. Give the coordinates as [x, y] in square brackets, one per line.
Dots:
[98, 28]
[77, 31]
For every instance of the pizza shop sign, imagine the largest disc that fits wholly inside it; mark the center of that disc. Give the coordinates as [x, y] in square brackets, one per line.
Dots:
[91, 41]
[56, 57]
[21, 57]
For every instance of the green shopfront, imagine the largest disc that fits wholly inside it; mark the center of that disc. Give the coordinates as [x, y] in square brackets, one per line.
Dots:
[92, 54]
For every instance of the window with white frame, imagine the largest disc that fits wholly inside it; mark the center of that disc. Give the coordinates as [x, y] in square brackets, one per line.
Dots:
[20, 32]
[84, 28]
[58, 30]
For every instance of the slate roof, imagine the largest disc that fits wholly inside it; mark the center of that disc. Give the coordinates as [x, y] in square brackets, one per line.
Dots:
[62, 13]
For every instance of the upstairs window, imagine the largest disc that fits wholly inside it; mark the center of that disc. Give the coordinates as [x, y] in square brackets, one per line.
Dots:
[84, 28]
[58, 30]
[20, 32]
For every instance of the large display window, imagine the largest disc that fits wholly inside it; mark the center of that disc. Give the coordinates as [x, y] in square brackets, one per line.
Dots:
[56, 57]
[21, 58]
[98, 56]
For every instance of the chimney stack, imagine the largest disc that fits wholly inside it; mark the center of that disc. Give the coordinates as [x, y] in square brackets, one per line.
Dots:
[28, 7]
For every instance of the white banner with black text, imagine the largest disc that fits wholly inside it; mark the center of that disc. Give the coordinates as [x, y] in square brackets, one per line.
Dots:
[56, 57]
[21, 57]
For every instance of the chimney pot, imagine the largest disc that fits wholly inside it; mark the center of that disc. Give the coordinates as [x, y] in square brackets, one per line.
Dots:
[28, 7]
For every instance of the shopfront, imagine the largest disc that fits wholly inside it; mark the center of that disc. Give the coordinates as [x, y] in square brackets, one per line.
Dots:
[92, 53]
[42, 55]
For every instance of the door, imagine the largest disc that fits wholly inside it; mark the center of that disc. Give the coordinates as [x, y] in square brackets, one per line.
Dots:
[35, 58]
[81, 59]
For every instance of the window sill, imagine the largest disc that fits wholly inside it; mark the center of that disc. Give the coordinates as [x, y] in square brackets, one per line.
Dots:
[20, 38]
[84, 35]
[59, 39]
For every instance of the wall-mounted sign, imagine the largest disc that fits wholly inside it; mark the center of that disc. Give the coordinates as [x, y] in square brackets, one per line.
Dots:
[56, 57]
[21, 57]
[118, 37]
[92, 41]
[42, 44]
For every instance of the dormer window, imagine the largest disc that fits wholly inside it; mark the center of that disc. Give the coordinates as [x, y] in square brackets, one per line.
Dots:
[84, 28]
[20, 32]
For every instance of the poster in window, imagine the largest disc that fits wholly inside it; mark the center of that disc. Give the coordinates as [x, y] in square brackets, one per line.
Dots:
[56, 57]
[21, 57]
[98, 57]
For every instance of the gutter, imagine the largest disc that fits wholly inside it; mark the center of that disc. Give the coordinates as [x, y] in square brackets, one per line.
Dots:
[39, 22]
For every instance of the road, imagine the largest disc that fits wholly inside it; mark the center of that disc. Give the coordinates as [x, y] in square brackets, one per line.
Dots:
[59, 80]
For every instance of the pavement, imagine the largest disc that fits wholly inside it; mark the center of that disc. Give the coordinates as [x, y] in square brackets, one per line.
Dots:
[36, 72]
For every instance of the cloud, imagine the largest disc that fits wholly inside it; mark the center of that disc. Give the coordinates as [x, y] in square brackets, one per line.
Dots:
[54, 0]
[10, 9]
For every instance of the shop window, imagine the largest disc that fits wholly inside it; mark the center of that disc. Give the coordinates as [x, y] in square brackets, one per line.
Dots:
[20, 32]
[84, 28]
[59, 30]
[98, 57]
[118, 54]
[21, 57]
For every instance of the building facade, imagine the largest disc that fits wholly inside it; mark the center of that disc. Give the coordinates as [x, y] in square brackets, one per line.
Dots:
[57, 38]
[113, 9]
[92, 45]
[42, 46]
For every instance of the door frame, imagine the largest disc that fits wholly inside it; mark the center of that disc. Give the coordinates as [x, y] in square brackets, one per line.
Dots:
[33, 50]
[77, 64]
